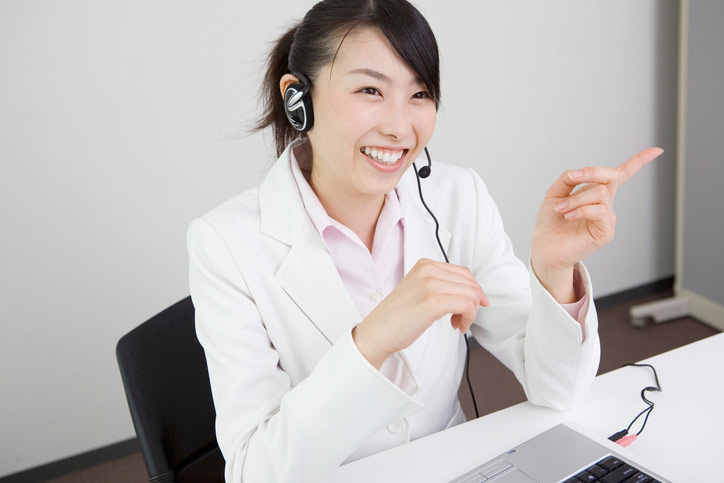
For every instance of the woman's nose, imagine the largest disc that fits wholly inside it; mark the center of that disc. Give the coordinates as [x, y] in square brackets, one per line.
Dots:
[396, 121]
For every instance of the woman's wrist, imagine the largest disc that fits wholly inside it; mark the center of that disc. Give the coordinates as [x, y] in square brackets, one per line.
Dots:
[557, 281]
[365, 342]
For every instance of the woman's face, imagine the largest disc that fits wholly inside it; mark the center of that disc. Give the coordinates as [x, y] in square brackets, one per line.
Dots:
[372, 118]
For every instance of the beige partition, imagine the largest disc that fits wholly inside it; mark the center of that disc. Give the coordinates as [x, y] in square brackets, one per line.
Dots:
[699, 283]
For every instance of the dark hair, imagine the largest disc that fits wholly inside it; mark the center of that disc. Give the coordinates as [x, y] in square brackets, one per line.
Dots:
[310, 45]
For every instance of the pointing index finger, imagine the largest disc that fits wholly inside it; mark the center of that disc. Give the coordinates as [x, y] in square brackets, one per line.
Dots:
[628, 169]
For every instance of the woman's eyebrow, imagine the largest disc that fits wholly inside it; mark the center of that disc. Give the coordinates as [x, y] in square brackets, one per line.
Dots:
[380, 76]
[371, 73]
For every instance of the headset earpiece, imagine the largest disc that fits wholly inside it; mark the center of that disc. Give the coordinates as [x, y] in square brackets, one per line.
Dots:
[298, 104]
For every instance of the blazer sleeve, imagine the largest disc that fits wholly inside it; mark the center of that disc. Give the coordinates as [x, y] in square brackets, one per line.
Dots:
[268, 430]
[525, 327]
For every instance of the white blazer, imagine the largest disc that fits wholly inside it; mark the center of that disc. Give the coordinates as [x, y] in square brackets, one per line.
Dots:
[294, 397]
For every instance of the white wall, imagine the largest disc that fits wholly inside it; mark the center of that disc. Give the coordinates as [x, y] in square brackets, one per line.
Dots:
[120, 122]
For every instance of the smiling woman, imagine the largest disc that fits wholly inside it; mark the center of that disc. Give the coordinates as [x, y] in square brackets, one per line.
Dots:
[370, 106]
[330, 321]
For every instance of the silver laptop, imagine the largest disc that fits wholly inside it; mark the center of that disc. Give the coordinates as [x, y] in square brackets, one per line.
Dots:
[561, 454]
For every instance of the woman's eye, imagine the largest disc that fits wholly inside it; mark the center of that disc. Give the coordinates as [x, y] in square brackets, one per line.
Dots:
[421, 95]
[370, 90]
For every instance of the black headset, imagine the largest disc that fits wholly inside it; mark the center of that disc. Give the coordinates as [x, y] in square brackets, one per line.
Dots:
[298, 104]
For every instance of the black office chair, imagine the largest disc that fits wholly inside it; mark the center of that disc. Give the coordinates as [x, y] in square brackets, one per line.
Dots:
[167, 385]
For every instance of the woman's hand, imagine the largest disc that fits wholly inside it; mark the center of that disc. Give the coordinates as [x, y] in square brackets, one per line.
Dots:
[573, 224]
[429, 291]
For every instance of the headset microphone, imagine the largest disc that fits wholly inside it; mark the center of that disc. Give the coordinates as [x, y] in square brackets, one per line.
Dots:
[425, 171]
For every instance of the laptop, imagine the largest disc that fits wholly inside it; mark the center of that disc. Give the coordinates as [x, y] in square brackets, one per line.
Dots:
[560, 454]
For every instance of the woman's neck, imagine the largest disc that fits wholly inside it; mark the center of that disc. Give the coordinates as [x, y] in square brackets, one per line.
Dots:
[359, 214]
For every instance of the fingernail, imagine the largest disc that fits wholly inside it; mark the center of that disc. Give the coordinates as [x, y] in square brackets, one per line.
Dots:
[576, 174]
[570, 215]
[561, 206]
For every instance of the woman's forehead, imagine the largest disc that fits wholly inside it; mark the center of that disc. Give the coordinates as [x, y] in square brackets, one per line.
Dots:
[367, 51]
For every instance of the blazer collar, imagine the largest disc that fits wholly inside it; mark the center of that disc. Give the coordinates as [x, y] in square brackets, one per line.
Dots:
[280, 204]
[308, 274]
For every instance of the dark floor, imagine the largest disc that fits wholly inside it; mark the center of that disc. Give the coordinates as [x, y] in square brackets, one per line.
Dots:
[494, 385]
[129, 469]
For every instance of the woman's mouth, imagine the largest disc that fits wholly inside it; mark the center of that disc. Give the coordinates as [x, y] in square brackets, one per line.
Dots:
[386, 160]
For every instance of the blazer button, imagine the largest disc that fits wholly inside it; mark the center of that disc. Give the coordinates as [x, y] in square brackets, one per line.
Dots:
[397, 426]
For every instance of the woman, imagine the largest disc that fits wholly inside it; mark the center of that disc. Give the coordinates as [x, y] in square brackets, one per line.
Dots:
[331, 323]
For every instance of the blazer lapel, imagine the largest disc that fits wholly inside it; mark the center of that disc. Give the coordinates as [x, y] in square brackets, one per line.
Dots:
[307, 273]
[309, 277]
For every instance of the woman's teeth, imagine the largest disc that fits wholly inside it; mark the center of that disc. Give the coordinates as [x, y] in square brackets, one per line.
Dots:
[386, 157]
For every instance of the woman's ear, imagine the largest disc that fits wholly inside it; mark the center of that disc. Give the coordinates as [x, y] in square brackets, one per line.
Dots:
[285, 81]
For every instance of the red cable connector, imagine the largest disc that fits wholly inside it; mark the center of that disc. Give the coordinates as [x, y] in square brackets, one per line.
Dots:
[627, 440]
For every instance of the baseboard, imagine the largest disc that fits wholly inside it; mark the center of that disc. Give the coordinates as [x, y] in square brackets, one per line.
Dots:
[74, 463]
[652, 288]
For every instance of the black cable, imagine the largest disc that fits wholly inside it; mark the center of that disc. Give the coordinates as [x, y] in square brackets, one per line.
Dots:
[648, 402]
[647, 411]
[437, 235]
[437, 225]
[467, 373]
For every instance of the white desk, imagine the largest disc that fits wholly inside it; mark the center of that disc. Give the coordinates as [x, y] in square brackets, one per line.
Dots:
[686, 425]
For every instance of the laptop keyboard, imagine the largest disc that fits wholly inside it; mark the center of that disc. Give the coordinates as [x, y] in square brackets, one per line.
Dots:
[612, 470]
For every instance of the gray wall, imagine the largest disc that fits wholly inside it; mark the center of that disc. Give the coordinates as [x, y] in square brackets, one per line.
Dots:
[120, 123]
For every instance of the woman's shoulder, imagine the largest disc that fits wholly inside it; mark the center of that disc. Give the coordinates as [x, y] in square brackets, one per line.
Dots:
[242, 209]
[444, 172]
[450, 181]
[232, 224]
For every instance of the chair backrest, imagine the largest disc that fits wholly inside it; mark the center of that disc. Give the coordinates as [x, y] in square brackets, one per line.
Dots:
[167, 386]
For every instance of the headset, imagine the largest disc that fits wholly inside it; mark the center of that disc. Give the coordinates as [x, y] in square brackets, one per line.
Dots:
[298, 104]
[298, 108]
